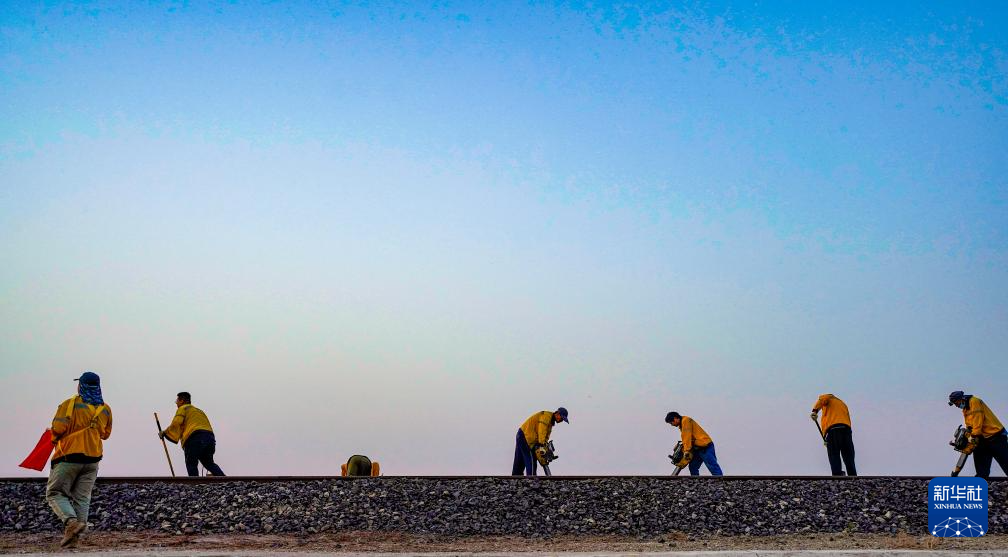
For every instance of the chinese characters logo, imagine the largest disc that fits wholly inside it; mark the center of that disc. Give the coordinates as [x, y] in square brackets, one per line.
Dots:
[957, 507]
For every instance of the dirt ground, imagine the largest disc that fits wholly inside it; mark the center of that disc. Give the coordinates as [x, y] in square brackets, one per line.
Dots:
[397, 542]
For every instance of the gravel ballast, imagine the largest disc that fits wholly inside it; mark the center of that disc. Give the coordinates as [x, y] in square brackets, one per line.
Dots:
[622, 506]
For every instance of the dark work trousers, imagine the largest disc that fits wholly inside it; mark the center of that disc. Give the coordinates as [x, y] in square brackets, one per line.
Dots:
[523, 461]
[840, 443]
[990, 448]
[199, 448]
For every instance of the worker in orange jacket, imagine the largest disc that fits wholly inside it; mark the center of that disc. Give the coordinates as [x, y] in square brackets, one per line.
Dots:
[533, 435]
[360, 465]
[836, 428]
[698, 447]
[987, 435]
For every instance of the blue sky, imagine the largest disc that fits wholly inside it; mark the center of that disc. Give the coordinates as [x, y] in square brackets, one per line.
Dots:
[410, 227]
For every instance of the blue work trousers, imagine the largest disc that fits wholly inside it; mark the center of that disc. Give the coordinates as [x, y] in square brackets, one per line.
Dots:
[704, 455]
[523, 461]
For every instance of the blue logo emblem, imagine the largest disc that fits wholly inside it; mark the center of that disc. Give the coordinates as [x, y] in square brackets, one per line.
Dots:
[957, 507]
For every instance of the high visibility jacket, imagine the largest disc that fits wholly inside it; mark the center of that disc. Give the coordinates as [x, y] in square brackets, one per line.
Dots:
[188, 420]
[834, 411]
[980, 420]
[78, 430]
[692, 434]
[537, 428]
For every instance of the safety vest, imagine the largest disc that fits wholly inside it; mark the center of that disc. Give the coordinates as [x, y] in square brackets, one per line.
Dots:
[86, 425]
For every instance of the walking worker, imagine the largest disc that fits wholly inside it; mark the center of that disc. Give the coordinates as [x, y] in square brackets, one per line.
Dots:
[80, 425]
[698, 447]
[836, 429]
[192, 427]
[986, 433]
[531, 440]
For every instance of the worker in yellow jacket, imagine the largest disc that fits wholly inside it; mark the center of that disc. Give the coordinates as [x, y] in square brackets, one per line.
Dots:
[192, 427]
[837, 433]
[530, 442]
[81, 423]
[987, 435]
[698, 447]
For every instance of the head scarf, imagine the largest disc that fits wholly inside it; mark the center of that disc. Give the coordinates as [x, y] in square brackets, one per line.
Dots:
[89, 388]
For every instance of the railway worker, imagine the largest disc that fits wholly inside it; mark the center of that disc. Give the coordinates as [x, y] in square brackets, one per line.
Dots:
[192, 427]
[836, 429]
[80, 425]
[698, 447]
[986, 433]
[531, 440]
[360, 465]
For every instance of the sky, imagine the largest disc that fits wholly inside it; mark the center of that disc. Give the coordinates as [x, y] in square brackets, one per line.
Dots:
[399, 230]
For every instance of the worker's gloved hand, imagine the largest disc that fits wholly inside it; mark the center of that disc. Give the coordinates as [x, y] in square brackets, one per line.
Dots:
[814, 415]
[540, 454]
[161, 434]
[686, 458]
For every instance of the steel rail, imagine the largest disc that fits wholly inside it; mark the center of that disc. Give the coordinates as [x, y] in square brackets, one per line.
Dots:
[294, 479]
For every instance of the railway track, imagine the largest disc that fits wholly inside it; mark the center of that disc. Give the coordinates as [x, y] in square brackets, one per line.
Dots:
[647, 505]
[284, 479]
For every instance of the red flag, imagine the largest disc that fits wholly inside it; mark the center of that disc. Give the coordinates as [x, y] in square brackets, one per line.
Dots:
[40, 454]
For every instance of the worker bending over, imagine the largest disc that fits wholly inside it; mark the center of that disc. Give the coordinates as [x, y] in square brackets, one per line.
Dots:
[987, 435]
[192, 427]
[533, 435]
[837, 433]
[81, 423]
[360, 465]
[698, 447]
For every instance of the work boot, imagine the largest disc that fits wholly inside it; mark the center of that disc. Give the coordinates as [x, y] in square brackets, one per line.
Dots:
[73, 529]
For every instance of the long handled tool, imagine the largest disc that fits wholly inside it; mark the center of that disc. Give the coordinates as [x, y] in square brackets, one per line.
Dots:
[165, 445]
[817, 426]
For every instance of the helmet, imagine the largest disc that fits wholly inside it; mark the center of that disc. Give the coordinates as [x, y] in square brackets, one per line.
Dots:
[955, 397]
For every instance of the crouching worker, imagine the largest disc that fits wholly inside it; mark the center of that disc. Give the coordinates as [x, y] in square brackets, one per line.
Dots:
[697, 445]
[192, 427]
[531, 440]
[360, 465]
[81, 423]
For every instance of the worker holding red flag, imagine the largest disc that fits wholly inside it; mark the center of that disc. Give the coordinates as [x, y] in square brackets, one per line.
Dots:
[81, 423]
